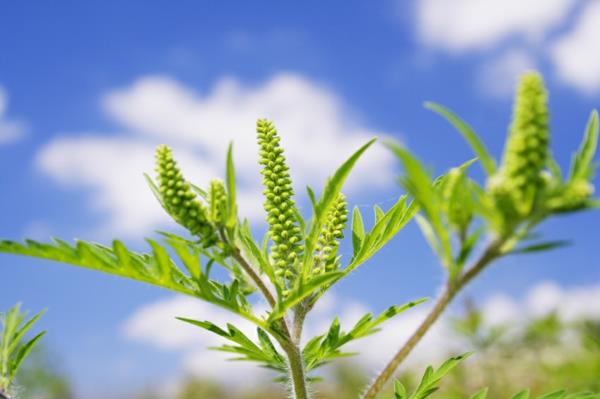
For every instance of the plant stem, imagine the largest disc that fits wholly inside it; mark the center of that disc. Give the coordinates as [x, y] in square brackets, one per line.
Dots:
[292, 341]
[452, 288]
[297, 373]
[237, 255]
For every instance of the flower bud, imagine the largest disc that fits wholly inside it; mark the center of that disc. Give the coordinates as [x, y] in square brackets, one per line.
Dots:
[280, 206]
[519, 178]
[217, 201]
[332, 232]
[181, 203]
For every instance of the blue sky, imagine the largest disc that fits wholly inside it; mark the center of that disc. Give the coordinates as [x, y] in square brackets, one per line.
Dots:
[88, 89]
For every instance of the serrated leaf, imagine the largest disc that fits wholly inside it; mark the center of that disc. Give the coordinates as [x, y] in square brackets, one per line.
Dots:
[382, 232]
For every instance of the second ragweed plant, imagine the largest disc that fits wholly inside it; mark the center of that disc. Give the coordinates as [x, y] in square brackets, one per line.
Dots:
[297, 260]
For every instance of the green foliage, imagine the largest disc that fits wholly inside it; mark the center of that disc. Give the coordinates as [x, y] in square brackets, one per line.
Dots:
[430, 381]
[291, 268]
[322, 349]
[298, 259]
[13, 347]
[524, 190]
[561, 394]
[430, 384]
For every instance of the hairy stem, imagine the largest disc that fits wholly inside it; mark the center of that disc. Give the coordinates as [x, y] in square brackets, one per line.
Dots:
[237, 255]
[297, 372]
[450, 291]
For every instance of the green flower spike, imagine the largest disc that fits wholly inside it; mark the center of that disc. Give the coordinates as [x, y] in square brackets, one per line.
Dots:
[574, 196]
[280, 207]
[217, 199]
[178, 198]
[333, 231]
[519, 179]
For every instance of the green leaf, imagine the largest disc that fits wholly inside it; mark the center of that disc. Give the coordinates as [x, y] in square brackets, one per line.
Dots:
[358, 230]
[14, 326]
[383, 231]
[332, 189]
[324, 348]
[543, 246]
[301, 291]
[554, 395]
[21, 331]
[418, 183]
[431, 378]
[482, 394]
[155, 190]
[251, 250]
[581, 165]
[23, 352]
[231, 190]
[399, 390]
[264, 353]
[522, 395]
[156, 268]
[487, 161]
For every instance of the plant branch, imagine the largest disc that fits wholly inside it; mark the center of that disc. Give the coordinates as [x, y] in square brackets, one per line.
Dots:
[237, 255]
[452, 288]
[297, 372]
[260, 284]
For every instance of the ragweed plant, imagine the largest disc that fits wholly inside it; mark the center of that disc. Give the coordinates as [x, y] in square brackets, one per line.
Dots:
[13, 347]
[290, 268]
[458, 216]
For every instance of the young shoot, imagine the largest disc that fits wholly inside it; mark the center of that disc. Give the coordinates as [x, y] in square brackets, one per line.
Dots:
[14, 348]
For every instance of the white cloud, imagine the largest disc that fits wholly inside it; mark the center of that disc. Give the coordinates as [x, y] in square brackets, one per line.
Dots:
[499, 75]
[576, 55]
[318, 133]
[463, 25]
[10, 130]
[155, 325]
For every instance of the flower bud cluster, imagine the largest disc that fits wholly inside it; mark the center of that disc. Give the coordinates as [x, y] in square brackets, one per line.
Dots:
[217, 199]
[572, 197]
[279, 204]
[178, 198]
[520, 176]
[326, 259]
